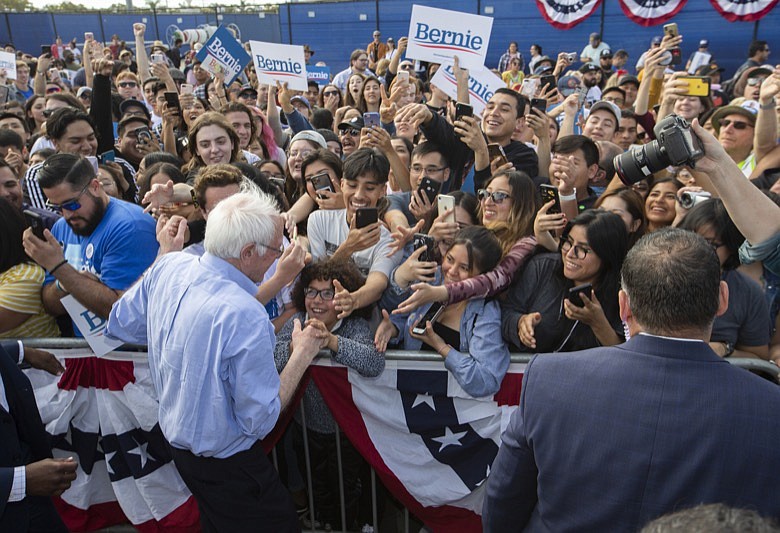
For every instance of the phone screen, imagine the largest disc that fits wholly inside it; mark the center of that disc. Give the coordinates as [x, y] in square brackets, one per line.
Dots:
[371, 119]
[430, 316]
[365, 216]
[420, 240]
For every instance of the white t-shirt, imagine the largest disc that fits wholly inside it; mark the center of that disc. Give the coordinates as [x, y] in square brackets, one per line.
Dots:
[328, 228]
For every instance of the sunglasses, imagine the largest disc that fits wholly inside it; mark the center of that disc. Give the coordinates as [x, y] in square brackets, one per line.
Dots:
[407, 67]
[128, 84]
[351, 132]
[754, 82]
[51, 90]
[70, 205]
[498, 197]
[330, 93]
[738, 125]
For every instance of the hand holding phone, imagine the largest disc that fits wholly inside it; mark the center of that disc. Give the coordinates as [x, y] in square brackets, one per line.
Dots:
[35, 221]
[463, 110]
[365, 216]
[575, 292]
[430, 315]
[447, 202]
[550, 193]
[495, 150]
[429, 188]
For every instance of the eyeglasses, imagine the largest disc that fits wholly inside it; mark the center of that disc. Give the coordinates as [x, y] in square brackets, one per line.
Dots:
[128, 84]
[70, 205]
[738, 125]
[416, 169]
[351, 132]
[617, 101]
[303, 154]
[330, 93]
[580, 252]
[498, 197]
[51, 90]
[753, 82]
[326, 294]
[407, 67]
[276, 251]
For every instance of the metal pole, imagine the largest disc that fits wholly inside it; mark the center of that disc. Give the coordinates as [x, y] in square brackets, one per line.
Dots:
[755, 30]
[102, 29]
[376, 10]
[308, 467]
[156, 26]
[340, 466]
[54, 23]
[374, 513]
[8, 25]
[289, 24]
[601, 22]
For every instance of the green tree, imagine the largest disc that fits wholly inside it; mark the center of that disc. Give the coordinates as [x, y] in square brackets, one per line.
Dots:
[66, 7]
[16, 5]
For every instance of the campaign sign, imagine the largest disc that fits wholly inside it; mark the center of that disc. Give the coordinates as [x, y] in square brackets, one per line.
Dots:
[222, 54]
[279, 62]
[91, 326]
[438, 34]
[319, 74]
[482, 85]
[8, 62]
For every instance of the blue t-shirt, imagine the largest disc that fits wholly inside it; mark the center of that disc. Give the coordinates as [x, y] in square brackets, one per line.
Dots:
[119, 250]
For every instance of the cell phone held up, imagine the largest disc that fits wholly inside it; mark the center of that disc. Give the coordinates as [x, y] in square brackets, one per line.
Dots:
[172, 99]
[430, 315]
[447, 202]
[463, 110]
[371, 119]
[35, 221]
[429, 188]
[321, 182]
[697, 85]
[550, 193]
[540, 104]
[495, 150]
[575, 292]
[420, 240]
[365, 216]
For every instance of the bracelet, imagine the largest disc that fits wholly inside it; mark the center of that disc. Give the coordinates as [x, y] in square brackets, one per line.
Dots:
[570, 197]
[58, 265]
[59, 287]
[770, 105]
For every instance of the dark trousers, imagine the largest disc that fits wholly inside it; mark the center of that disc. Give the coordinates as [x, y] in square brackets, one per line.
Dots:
[241, 493]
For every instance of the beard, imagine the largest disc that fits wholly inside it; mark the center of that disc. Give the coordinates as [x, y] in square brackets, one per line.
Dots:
[92, 221]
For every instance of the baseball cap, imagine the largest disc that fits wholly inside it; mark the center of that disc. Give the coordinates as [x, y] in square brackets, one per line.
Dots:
[606, 53]
[248, 90]
[628, 79]
[727, 110]
[353, 123]
[656, 40]
[704, 43]
[83, 90]
[307, 48]
[706, 70]
[177, 75]
[589, 67]
[608, 106]
[542, 69]
[310, 135]
[568, 85]
[132, 102]
[302, 99]
[595, 35]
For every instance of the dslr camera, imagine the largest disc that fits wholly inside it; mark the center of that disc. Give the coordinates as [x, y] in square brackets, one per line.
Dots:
[675, 145]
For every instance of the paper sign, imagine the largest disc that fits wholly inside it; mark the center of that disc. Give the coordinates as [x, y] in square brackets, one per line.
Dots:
[279, 62]
[8, 62]
[319, 74]
[699, 59]
[223, 54]
[438, 34]
[482, 85]
[91, 326]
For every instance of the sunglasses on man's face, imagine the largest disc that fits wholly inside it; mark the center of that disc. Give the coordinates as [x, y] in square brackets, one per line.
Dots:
[128, 84]
[330, 93]
[738, 125]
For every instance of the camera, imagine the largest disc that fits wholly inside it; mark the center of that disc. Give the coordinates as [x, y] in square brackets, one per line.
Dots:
[689, 199]
[572, 57]
[675, 144]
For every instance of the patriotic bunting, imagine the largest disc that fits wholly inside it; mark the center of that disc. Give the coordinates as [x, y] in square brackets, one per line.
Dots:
[651, 12]
[565, 14]
[743, 10]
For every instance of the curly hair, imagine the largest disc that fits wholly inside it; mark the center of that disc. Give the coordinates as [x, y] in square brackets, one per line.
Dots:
[220, 175]
[346, 272]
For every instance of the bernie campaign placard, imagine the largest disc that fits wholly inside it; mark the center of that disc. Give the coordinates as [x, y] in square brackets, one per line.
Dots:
[438, 34]
[223, 54]
[279, 62]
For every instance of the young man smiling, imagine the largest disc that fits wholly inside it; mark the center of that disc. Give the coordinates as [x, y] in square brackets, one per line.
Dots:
[334, 233]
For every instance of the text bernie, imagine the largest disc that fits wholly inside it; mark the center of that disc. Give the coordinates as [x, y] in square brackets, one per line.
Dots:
[445, 37]
[221, 53]
[278, 65]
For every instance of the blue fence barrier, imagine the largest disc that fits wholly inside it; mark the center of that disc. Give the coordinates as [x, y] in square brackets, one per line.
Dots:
[334, 29]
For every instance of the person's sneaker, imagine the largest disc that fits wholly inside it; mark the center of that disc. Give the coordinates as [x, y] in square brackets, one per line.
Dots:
[367, 529]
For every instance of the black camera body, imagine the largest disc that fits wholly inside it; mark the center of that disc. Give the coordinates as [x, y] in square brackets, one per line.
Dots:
[675, 145]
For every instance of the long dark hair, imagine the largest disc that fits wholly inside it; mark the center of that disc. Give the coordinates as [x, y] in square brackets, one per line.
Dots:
[482, 246]
[608, 239]
[11, 249]
[635, 206]
[525, 204]
[713, 213]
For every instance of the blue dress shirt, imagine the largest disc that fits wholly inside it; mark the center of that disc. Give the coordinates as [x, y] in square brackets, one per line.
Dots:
[210, 346]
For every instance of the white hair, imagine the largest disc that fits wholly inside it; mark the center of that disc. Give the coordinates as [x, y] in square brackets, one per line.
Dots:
[244, 218]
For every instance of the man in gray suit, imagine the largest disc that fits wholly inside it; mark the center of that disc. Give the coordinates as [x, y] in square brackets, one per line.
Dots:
[610, 438]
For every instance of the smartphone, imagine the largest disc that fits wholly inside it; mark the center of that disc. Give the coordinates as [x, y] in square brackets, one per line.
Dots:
[144, 135]
[582, 92]
[529, 87]
[548, 193]
[697, 85]
[35, 221]
[540, 104]
[172, 99]
[676, 56]
[3, 94]
[365, 216]
[321, 182]
[671, 29]
[107, 157]
[446, 202]
[420, 240]
[45, 49]
[371, 119]
[495, 150]
[158, 58]
[429, 188]
[463, 110]
[94, 161]
[89, 36]
[548, 81]
[403, 75]
[430, 315]
[187, 88]
[574, 294]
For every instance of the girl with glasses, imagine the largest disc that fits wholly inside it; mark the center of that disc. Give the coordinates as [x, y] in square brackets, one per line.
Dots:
[348, 342]
[541, 315]
[467, 333]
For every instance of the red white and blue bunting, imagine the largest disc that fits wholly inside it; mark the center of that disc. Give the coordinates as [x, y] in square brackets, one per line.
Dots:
[743, 10]
[565, 14]
[651, 12]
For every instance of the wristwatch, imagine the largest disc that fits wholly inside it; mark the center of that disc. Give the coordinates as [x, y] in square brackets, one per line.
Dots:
[729, 347]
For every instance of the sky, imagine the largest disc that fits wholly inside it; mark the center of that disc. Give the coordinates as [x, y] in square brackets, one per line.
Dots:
[141, 3]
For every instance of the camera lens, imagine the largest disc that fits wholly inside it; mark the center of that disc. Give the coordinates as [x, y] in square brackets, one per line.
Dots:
[640, 162]
[687, 200]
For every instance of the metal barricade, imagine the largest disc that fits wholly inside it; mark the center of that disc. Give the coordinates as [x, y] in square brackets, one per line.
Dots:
[69, 347]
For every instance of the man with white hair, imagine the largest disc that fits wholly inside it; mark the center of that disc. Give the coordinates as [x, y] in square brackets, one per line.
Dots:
[210, 346]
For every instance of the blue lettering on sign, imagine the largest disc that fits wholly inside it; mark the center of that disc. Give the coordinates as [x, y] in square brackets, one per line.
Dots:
[447, 38]
[96, 323]
[278, 65]
[476, 89]
[220, 52]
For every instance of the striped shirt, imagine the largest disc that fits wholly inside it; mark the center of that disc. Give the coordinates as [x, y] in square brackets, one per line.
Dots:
[20, 292]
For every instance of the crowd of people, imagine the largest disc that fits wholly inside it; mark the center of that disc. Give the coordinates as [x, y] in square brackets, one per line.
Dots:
[269, 226]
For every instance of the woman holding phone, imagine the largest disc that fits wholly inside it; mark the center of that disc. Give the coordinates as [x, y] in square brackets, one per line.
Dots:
[466, 334]
[542, 313]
